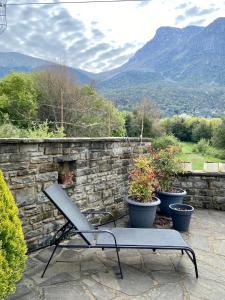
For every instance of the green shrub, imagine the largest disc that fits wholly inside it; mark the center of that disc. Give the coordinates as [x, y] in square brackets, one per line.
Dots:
[218, 153]
[8, 130]
[218, 139]
[12, 244]
[41, 130]
[164, 142]
[202, 147]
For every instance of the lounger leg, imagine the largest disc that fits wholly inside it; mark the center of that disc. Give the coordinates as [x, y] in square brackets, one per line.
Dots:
[195, 263]
[153, 250]
[49, 260]
[182, 252]
[193, 259]
[118, 258]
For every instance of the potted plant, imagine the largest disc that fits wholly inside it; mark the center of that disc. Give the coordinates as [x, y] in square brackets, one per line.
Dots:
[167, 166]
[141, 201]
[181, 216]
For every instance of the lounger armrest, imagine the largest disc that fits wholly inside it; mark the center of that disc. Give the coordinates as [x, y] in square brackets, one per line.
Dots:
[98, 231]
[100, 213]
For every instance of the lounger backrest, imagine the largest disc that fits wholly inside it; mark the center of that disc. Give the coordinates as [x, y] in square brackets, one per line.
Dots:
[70, 210]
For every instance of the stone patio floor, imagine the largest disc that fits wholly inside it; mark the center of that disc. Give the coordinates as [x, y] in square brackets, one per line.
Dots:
[90, 273]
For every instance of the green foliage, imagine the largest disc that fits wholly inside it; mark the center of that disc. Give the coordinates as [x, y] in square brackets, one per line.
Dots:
[42, 130]
[202, 130]
[12, 244]
[166, 165]
[164, 142]
[38, 104]
[202, 146]
[173, 98]
[218, 139]
[143, 120]
[190, 129]
[8, 130]
[18, 98]
[143, 181]
[80, 111]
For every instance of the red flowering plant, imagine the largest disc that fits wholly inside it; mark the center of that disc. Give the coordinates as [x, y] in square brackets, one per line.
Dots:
[166, 165]
[143, 180]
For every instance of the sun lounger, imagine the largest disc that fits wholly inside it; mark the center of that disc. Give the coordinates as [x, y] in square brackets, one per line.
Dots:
[116, 238]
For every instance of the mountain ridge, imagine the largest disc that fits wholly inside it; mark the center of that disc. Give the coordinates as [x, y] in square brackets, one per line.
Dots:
[175, 62]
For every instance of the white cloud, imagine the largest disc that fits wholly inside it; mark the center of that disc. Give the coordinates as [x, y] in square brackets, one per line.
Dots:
[98, 36]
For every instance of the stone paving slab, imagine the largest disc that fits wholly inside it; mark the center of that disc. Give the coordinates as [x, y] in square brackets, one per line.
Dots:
[91, 273]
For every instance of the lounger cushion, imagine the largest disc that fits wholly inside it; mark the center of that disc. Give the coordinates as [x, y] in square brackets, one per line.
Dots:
[142, 238]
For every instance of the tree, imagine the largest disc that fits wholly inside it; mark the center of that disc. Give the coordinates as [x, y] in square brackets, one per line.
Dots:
[141, 121]
[79, 111]
[218, 139]
[57, 96]
[18, 98]
[12, 244]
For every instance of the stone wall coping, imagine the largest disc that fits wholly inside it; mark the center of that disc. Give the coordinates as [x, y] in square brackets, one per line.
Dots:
[69, 140]
[205, 174]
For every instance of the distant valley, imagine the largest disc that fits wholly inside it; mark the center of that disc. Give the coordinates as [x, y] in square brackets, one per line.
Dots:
[183, 70]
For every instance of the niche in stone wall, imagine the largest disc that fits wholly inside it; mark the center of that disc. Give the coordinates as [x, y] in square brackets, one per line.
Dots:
[66, 171]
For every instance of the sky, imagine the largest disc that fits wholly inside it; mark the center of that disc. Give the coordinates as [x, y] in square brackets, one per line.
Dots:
[99, 36]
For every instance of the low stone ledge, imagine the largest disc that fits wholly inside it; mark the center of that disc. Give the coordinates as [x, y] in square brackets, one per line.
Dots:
[69, 140]
[202, 174]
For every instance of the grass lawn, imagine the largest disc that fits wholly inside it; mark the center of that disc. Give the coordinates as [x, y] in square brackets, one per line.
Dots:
[197, 159]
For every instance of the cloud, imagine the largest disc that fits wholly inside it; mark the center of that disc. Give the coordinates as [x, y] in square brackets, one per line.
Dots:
[180, 18]
[182, 6]
[196, 11]
[197, 22]
[144, 3]
[51, 33]
[112, 57]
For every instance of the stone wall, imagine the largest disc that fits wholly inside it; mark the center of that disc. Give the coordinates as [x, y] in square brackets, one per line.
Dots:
[204, 190]
[99, 180]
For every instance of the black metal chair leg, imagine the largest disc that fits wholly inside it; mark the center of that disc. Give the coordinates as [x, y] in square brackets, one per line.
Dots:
[193, 259]
[46, 267]
[195, 263]
[153, 250]
[182, 252]
[118, 258]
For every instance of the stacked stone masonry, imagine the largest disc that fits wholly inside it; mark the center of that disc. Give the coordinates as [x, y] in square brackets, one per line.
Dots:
[100, 181]
[204, 190]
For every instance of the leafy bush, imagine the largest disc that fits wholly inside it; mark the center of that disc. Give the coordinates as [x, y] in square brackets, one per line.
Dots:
[218, 139]
[12, 244]
[8, 130]
[42, 130]
[164, 142]
[202, 146]
[166, 166]
[191, 129]
[143, 181]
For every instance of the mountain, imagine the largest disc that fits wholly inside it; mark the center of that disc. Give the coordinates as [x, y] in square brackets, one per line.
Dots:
[12, 61]
[182, 69]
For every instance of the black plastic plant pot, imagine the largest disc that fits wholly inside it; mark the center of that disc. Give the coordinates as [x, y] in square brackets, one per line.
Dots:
[142, 215]
[168, 198]
[181, 216]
